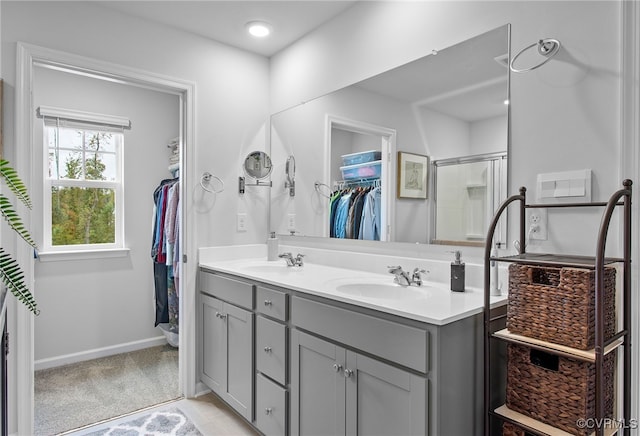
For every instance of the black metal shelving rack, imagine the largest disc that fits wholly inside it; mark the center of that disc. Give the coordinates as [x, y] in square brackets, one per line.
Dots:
[622, 338]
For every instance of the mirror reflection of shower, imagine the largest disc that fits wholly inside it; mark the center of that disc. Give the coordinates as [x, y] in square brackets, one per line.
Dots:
[467, 191]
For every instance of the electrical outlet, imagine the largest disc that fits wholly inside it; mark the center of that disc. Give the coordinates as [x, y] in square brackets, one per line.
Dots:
[537, 224]
[291, 222]
[241, 222]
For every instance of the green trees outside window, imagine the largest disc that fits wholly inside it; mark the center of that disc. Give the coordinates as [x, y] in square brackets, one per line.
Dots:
[82, 212]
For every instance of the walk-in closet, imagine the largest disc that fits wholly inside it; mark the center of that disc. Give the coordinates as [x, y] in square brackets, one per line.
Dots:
[98, 332]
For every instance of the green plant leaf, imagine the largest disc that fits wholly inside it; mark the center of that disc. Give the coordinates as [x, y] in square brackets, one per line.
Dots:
[14, 182]
[12, 277]
[14, 220]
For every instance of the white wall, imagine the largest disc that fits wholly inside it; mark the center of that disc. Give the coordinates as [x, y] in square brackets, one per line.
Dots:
[445, 136]
[488, 136]
[111, 298]
[565, 116]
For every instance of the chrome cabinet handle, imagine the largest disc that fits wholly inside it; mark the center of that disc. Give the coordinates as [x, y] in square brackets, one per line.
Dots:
[267, 349]
[337, 368]
[268, 302]
[223, 316]
[268, 411]
[348, 373]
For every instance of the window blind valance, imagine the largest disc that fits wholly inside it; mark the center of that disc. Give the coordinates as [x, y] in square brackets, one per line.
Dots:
[71, 118]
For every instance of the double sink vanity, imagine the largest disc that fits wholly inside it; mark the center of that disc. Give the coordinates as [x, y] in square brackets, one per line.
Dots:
[331, 347]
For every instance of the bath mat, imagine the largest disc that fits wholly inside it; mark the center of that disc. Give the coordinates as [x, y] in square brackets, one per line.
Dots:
[159, 423]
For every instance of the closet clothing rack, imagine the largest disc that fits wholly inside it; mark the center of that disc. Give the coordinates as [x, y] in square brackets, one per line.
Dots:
[342, 184]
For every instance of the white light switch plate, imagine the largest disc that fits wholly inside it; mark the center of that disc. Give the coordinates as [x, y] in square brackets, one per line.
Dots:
[241, 222]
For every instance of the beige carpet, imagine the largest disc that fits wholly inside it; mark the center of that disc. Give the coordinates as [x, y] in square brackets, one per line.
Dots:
[83, 393]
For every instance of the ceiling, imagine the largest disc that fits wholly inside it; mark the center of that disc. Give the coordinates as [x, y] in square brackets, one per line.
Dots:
[224, 21]
[467, 81]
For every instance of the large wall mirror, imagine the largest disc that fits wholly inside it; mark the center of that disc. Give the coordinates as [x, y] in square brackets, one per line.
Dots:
[423, 124]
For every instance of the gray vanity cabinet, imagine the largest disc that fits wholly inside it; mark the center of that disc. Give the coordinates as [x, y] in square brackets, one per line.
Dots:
[317, 386]
[336, 391]
[227, 343]
[271, 361]
[299, 364]
[383, 399]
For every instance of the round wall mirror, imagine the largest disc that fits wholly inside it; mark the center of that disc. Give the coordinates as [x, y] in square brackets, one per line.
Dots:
[258, 165]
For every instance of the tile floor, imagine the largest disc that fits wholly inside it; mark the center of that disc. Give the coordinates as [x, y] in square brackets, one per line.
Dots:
[210, 415]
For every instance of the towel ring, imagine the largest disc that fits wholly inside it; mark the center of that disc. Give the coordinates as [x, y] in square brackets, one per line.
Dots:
[547, 47]
[318, 185]
[206, 178]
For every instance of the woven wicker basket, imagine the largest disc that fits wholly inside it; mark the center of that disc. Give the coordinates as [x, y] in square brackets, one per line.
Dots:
[558, 304]
[509, 429]
[556, 390]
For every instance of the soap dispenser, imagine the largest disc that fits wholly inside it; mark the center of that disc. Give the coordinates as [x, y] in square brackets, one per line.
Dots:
[272, 247]
[457, 273]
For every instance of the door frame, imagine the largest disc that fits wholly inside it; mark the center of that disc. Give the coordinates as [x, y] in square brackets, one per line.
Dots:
[630, 167]
[27, 56]
[388, 149]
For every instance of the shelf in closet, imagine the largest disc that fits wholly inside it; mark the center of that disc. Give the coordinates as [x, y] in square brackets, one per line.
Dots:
[540, 427]
[559, 260]
[585, 355]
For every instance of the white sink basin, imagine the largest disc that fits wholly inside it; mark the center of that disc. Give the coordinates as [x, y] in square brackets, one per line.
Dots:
[270, 267]
[382, 290]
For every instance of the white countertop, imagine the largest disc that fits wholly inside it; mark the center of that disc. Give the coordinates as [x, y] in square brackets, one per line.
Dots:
[432, 302]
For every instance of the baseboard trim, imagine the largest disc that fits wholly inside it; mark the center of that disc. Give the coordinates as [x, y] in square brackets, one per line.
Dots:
[52, 362]
[201, 389]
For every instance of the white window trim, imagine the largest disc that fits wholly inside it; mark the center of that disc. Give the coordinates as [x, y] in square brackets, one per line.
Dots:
[58, 256]
[83, 251]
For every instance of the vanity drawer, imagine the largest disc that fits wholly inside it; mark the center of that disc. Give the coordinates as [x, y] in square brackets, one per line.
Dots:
[271, 349]
[233, 291]
[271, 407]
[271, 303]
[405, 345]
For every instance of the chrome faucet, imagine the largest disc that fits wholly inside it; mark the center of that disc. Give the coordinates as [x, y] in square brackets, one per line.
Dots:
[416, 277]
[402, 277]
[292, 261]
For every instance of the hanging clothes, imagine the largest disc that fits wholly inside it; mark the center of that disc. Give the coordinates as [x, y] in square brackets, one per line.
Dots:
[355, 213]
[171, 237]
[370, 227]
[163, 248]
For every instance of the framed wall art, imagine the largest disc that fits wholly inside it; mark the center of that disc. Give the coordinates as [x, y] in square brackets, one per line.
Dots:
[413, 175]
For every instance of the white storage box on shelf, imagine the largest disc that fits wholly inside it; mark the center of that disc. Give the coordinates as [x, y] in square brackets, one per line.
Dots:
[361, 157]
[368, 170]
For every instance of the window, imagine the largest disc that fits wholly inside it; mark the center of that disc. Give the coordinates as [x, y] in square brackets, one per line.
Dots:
[83, 189]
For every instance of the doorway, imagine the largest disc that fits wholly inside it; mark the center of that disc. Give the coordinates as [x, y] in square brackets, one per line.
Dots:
[345, 137]
[29, 58]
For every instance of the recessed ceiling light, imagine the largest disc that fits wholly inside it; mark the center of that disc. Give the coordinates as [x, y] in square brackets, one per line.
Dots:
[259, 29]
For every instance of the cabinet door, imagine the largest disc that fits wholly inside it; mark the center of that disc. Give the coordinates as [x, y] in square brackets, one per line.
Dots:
[214, 344]
[317, 386]
[239, 327]
[227, 353]
[382, 399]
